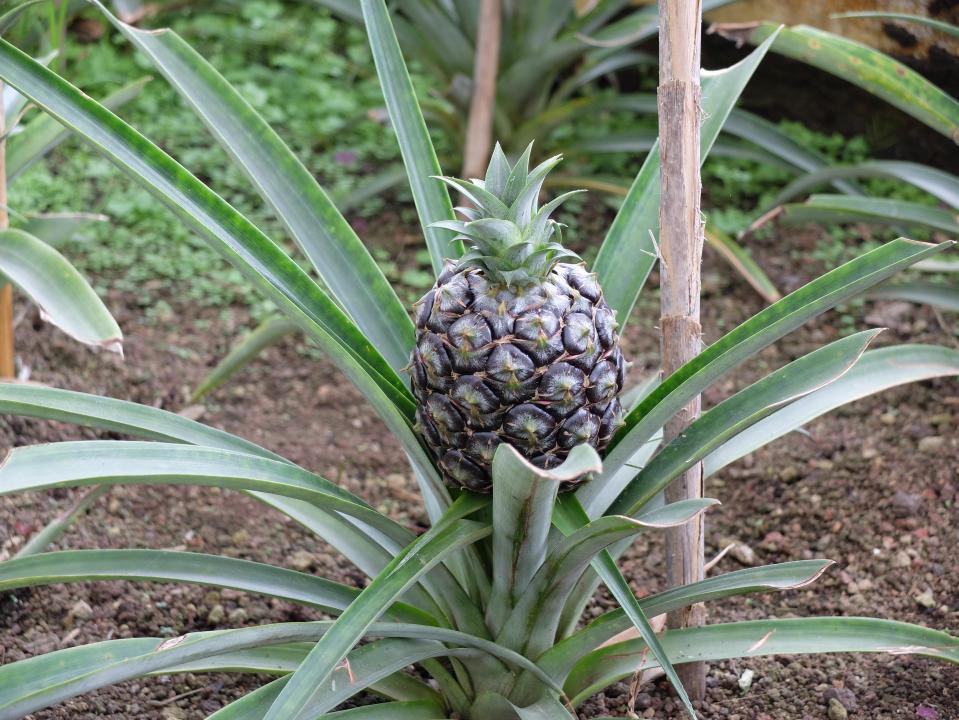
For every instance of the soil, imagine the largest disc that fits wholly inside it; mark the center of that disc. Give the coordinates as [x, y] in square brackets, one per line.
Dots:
[856, 489]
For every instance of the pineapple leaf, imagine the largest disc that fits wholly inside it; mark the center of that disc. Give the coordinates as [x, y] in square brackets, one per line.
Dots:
[800, 377]
[876, 371]
[497, 174]
[758, 638]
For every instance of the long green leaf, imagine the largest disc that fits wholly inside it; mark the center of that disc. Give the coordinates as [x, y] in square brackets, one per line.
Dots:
[939, 25]
[523, 498]
[121, 416]
[267, 334]
[640, 142]
[323, 234]
[758, 638]
[55, 229]
[10, 17]
[878, 211]
[569, 516]
[876, 371]
[560, 659]
[56, 528]
[940, 295]
[627, 255]
[937, 183]
[800, 377]
[740, 259]
[65, 298]
[771, 138]
[738, 345]
[185, 567]
[431, 198]
[94, 462]
[873, 71]
[304, 687]
[44, 133]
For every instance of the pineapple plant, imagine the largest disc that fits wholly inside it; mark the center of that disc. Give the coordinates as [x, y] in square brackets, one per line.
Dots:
[513, 343]
[488, 603]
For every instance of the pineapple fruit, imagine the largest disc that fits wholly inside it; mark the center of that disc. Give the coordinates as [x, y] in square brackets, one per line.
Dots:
[514, 342]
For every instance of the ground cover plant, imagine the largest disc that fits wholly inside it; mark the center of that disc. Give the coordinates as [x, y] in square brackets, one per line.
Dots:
[504, 610]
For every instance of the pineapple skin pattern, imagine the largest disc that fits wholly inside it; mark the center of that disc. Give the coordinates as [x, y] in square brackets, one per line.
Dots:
[538, 367]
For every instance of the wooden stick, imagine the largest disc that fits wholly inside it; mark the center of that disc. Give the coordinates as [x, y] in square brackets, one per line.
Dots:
[681, 246]
[479, 127]
[7, 367]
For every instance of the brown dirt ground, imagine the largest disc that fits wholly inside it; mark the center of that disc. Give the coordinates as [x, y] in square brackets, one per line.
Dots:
[825, 495]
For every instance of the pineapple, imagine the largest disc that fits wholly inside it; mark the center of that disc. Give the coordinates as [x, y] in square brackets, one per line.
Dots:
[514, 343]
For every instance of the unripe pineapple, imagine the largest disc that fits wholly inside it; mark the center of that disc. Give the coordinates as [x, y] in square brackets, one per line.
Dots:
[512, 344]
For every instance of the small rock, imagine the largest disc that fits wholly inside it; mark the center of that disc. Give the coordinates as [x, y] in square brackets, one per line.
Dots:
[940, 419]
[926, 599]
[238, 616]
[905, 504]
[836, 710]
[746, 680]
[901, 560]
[172, 712]
[302, 560]
[240, 537]
[643, 701]
[193, 412]
[217, 615]
[773, 541]
[887, 419]
[844, 695]
[789, 474]
[927, 712]
[744, 554]
[823, 542]
[81, 610]
[397, 480]
[932, 445]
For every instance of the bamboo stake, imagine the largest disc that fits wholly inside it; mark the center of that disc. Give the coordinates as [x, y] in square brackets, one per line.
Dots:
[479, 127]
[681, 246]
[7, 367]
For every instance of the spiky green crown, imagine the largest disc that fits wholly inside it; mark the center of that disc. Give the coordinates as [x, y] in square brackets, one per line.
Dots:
[511, 238]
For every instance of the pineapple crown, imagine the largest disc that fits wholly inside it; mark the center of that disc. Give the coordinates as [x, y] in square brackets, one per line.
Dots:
[509, 236]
